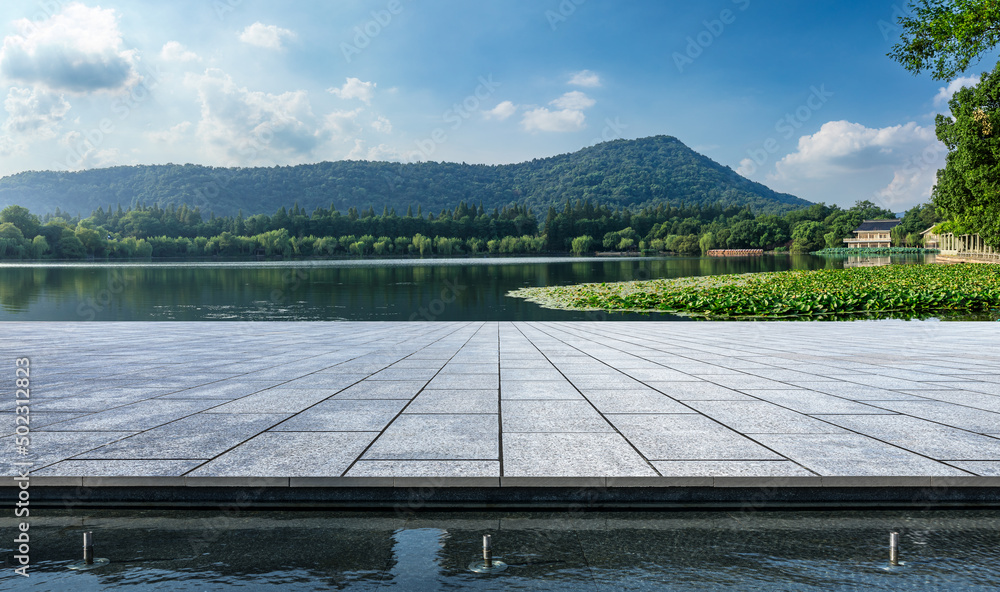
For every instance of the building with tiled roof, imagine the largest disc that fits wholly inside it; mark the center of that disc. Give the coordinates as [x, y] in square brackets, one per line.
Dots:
[872, 234]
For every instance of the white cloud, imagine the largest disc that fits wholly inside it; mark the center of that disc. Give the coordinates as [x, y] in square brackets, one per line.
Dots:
[575, 101]
[241, 127]
[382, 125]
[34, 113]
[171, 136]
[79, 50]
[266, 36]
[175, 52]
[86, 154]
[543, 120]
[501, 111]
[568, 118]
[586, 79]
[901, 161]
[354, 88]
[343, 123]
[946, 92]
[747, 167]
[380, 153]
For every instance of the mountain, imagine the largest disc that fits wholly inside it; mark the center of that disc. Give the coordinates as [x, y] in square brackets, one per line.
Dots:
[625, 173]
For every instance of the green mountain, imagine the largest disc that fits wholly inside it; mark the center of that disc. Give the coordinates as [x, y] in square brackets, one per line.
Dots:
[622, 173]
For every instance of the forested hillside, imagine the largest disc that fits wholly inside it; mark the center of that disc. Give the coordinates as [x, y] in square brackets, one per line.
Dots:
[620, 174]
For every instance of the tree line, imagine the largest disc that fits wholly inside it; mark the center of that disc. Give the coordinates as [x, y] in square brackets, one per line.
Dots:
[151, 231]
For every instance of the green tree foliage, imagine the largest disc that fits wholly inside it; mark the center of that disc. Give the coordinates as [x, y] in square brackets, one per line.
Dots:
[23, 219]
[808, 237]
[620, 174]
[947, 36]
[70, 246]
[12, 243]
[968, 188]
[464, 230]
[582, 244]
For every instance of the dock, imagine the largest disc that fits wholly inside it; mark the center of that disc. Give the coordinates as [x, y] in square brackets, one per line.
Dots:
[507, 414]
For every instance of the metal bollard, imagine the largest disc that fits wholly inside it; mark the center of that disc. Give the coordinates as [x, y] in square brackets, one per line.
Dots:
[488, 565]
[893, 548]
[89, 562]
[88, 548]
[488, 551]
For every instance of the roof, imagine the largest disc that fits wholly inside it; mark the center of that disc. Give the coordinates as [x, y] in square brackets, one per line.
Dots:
[873, 225]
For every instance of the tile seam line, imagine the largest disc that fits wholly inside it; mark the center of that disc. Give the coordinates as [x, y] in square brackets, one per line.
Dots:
[589, 402]
[307, 408]
[698, 413]
[414, 398]
[746, 435]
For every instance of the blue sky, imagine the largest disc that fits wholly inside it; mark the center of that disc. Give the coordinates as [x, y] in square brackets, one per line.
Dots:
[797, 95]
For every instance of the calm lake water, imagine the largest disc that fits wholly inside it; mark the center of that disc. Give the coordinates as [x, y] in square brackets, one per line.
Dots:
[308, 551]
[445, 290]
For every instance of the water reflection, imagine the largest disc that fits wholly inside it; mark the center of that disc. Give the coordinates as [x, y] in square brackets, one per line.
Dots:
[178, 550]
[446, 290]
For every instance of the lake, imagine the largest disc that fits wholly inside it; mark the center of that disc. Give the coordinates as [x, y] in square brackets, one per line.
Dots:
[591, 551]
[379, 290]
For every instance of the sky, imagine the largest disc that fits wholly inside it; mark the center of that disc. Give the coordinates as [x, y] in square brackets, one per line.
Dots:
[797, 95]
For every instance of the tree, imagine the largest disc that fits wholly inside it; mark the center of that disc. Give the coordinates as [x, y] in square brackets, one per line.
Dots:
[968, 188]
[946, 36]
[582, 244]
[12, 243]
[69, 246]
[39, 247]
[24, 220]
[706, 243]
[808, 237]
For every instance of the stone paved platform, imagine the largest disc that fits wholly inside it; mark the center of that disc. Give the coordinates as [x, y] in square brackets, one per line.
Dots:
[500, 405]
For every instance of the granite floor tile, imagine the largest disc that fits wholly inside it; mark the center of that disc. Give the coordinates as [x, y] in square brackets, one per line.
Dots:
[438, 437]
[698, 391]
[374, 389]
[201, 436]
[812, 403]
[455, 402]
[572, 455]
[856, 455]
[761, 417]
[730, 468]
[119, 468]
[465, 381]
[139, 416]
[289, 454]
[552, 389]
[425, 468]
[552, 416]
[922, 437]
[687, 437]
[286, 401]
[640, 401]
[344, 415]
[965, 418]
